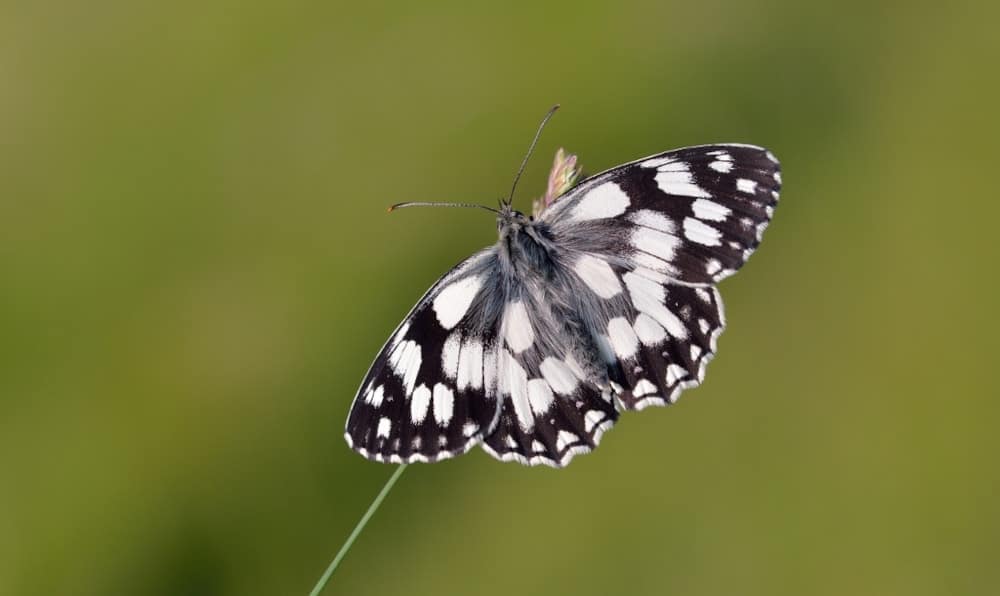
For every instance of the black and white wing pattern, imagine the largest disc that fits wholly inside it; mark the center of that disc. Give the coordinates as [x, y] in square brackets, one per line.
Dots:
[694, 214]
[430, 394]
[604, 302]
[482, 361]
[556, 398]
[662, 231]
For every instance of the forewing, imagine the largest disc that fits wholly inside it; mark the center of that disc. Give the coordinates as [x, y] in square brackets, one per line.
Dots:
[694, 214]
[429, 395]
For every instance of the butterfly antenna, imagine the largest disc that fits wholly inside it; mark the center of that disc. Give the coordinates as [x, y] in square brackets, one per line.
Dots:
[524, 163]
[434, 204]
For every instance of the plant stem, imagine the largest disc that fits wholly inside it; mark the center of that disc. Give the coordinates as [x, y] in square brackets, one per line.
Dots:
[357, 530]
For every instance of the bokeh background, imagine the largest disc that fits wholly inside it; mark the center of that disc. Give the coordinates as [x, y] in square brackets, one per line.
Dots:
[196, 269]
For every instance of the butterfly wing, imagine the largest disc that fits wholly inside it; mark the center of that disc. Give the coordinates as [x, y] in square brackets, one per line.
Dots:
[658, 338]
[627, 315]
[548, 413]
[599, 333]
[555, 397]
[648, 241]
[429, 395]
[694, 214]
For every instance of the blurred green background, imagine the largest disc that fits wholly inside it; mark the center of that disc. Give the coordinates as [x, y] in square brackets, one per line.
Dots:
[196, 269]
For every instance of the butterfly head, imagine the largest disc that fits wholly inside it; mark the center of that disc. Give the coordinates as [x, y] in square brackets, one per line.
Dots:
[525, 243]
[510, 220]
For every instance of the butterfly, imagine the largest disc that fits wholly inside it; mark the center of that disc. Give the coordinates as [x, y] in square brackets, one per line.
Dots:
[603, 300]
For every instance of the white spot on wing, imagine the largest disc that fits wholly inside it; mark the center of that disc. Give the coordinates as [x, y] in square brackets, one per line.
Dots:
[659, 244]
[559, 375]
[653, 219]
[449, 355]
[604, 201]
[695, 352]
[643, 387]
[710, 210]
[375, 397]
[514, 382]
[675, 179]
[597, 274]
[713, 266]
[649, 331]
[746, 185]
[405, 361]
[721, 166]
[490, 372]
[444, 404]
[453, 301]
[517, 327]
[564, 439]
[384, 427]
[703, 325]
[623, 338]
[591, 419]
[539, 396]
[419, 402]
[675, 372]
[697, 231]
[648, 262]
[648, 297]
[470, 365]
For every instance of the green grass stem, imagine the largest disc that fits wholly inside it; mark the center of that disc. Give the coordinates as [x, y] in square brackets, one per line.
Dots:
[357, 530]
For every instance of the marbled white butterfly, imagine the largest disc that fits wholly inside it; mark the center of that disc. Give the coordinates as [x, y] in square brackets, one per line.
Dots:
[604, 300]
